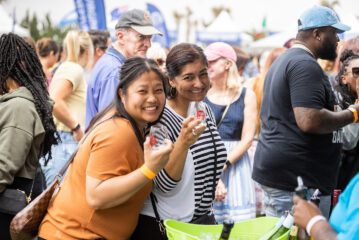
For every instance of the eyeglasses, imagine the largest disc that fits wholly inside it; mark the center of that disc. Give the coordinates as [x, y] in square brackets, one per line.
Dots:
[355, 72]
[160, 61]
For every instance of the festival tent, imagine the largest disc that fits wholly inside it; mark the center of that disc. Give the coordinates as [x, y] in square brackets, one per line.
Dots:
[273, 41]
[224, 29]
[7, 24]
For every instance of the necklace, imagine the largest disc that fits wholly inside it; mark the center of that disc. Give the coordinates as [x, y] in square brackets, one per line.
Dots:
[302, 46]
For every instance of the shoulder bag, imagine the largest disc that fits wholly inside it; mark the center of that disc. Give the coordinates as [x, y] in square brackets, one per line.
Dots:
[25, 225]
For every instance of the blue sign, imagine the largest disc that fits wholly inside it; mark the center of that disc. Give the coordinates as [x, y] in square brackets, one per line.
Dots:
[91, 14]
[159, 23]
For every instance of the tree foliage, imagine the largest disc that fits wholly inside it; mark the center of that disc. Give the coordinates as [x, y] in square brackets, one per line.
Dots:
[45, 28]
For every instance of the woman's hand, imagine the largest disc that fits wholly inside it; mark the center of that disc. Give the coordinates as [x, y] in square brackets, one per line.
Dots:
[221, 191]
[304, 211]
[156, 159]
[191, 131]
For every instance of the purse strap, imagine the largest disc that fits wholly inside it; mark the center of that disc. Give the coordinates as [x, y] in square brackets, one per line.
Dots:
[67, 164]
[223, 115]
[227, 107]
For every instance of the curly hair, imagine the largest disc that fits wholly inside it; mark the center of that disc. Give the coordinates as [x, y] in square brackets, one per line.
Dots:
[19, 61]
[348, 98]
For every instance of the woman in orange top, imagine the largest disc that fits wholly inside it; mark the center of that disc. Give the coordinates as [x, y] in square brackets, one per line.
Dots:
[110, 177]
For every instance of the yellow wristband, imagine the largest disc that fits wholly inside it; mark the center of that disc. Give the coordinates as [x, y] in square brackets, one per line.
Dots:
[355, 113]
[147, 172]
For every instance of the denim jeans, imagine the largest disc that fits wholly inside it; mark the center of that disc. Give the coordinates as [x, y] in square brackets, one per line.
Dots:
[60, 154]
[277, 201]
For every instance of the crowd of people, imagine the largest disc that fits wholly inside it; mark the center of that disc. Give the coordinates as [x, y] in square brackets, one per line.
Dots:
[239, 133]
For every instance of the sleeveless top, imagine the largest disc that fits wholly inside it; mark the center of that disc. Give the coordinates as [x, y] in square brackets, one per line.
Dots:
[232, 124]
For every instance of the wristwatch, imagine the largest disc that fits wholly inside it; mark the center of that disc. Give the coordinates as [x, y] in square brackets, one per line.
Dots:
[78, 126]
[228, 163]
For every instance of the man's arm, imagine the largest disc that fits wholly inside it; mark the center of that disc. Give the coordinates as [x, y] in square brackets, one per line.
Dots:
[322, 121]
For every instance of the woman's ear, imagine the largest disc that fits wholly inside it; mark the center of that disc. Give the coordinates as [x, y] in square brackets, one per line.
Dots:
[120, 94]
[228, 65]
[172, 83]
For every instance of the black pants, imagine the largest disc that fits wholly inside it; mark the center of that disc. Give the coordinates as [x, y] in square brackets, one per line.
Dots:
[148, 228]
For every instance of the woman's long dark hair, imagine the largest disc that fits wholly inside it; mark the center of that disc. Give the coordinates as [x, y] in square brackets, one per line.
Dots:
[131, 70]
[348, 98]
[179, 56]
[19, 61]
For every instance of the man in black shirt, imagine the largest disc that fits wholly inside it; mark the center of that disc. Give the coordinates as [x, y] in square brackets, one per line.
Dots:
[301, 132]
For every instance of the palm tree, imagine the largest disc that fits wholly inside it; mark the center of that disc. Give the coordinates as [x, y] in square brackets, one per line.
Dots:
[330, 3]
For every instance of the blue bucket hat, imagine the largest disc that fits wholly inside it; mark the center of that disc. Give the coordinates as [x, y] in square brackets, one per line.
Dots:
[319, 16]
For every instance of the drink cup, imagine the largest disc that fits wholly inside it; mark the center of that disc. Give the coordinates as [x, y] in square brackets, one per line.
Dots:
[198, 110]
[158, 133]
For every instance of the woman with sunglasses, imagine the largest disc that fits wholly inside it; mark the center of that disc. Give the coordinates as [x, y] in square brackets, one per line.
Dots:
[347, 92]
[185, 189]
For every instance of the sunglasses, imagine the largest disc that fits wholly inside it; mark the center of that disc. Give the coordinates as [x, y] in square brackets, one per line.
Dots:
[355, 72]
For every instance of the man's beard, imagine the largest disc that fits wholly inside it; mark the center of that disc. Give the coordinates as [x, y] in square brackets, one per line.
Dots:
[328, 51]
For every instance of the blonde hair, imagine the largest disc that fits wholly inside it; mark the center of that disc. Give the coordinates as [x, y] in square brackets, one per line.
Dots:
[77, 43]
[234, 81]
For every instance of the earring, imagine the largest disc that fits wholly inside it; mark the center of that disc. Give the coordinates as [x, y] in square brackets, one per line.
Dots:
[318, 38]
[172, 92]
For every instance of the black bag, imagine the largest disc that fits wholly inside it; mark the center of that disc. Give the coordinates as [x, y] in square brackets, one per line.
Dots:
[12, 201]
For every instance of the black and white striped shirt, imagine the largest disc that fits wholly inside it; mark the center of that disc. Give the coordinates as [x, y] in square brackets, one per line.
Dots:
[209, 155]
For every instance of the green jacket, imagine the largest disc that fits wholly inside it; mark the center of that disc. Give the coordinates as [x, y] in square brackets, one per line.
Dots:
[21, 136]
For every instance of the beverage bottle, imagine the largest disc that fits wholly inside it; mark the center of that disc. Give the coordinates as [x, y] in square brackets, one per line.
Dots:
[301, 191]
[286, 225]
[293, 234]
[226, 231]
[335, 199]
[315, 198]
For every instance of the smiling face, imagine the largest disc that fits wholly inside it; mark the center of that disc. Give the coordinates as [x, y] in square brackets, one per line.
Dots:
[144, 99]
[192, 83]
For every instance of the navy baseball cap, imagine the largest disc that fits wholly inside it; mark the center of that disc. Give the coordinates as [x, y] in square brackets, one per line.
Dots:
[320, 16]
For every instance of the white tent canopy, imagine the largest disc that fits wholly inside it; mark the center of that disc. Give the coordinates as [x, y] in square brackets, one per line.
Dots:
[223, 28]
[273, 41]
[6, 24]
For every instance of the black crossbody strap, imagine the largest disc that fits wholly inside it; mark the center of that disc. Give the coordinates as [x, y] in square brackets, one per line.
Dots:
[215, 161]
[64, 168]
[158, 218]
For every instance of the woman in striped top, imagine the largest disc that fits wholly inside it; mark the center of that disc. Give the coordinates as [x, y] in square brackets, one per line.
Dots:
[185, 189]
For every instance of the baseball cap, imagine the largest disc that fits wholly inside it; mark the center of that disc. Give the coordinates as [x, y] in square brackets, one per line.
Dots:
[138, 20]
[220, 49]
[320, 16]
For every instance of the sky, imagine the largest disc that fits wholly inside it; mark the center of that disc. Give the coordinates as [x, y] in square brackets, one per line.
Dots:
[246, 14]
